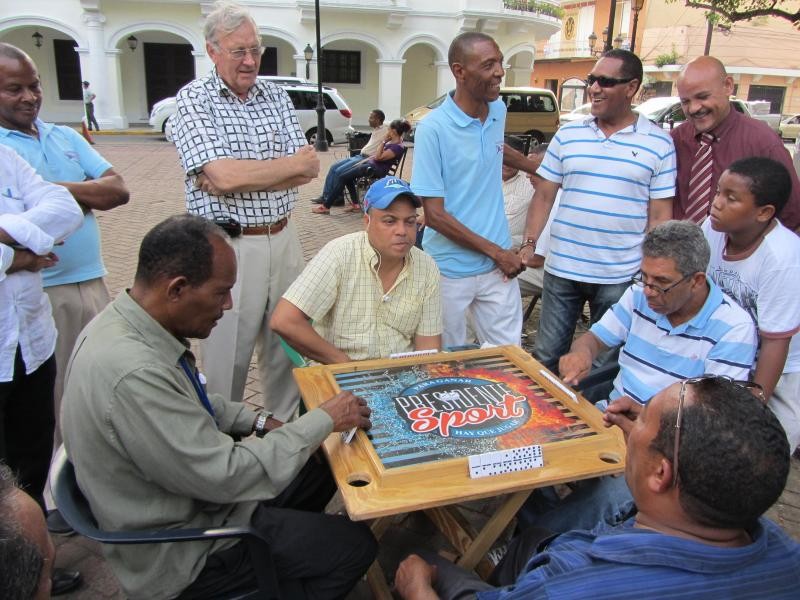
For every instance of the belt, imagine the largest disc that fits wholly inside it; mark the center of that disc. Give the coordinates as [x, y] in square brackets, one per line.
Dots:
[266, 229]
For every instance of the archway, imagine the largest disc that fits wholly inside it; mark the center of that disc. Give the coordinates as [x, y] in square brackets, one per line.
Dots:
[419, 76]
[520, 65]
[58, 65]
[351, 67]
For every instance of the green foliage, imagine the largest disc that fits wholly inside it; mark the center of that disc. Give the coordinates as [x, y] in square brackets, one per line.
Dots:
[668, 58]
[543, 8]
[731, 11]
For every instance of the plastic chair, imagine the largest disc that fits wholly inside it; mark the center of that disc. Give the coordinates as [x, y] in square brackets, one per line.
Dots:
[76, 511]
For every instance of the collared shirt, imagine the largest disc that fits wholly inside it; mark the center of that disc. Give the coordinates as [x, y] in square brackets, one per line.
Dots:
[375, 140]
[166, 462]
[460, 159]
[213, 123]
[607, 185]
[341, 291]
[61, 154]
[88, 95]
[630, 563]
[36, 214]
[719, 339]
[738, 136]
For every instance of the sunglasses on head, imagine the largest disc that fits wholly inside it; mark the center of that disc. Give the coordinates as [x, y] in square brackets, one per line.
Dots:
[606, 82]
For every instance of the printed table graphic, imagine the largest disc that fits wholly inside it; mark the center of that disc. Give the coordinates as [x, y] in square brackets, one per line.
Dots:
[447, 409]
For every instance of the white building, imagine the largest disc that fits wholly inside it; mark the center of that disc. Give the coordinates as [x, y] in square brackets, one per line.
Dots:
[388, 54]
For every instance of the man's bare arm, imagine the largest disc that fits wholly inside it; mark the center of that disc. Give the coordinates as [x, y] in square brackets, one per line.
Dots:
[230, 175]
[104, 193]
[660, 210]
[538, 213]
[293, 325]
[25, 260]
[427, 342]
[575, 366]
[439, 219]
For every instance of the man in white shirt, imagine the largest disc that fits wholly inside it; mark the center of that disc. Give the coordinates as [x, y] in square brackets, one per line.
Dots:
[34, 216]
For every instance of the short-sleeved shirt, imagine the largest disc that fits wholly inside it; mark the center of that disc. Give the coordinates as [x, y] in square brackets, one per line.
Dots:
[738, 136]
[607, 185]
[625, 562]
[341, 291]
[765, 282]
[61, 154]
[460, 159]
[382, 166]
[719, 339]
[213, 123]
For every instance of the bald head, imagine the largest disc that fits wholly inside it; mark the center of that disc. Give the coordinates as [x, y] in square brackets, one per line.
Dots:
[13, 53]
[461, 46]
[705, 89]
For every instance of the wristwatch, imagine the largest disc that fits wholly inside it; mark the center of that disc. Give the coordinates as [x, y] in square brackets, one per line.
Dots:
[260, 427]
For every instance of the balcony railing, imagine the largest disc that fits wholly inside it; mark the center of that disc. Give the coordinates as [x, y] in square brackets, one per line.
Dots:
[535, 6]
[575, 49]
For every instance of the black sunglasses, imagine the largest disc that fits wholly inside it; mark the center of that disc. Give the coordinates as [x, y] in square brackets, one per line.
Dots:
[606, 82]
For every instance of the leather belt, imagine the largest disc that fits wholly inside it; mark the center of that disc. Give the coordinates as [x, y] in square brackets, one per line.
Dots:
[266, 229]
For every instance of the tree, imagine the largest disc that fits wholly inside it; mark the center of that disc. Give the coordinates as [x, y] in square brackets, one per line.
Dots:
[743, 10]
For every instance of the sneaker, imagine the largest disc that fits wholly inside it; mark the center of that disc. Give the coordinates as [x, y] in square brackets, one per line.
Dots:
[318, 200]
[495, 555]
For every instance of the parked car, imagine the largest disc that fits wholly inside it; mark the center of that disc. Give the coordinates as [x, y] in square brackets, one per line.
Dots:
[576, 113]
[759, 109]
[338, 115]
[666, 111]
[530, 111]
[790, 128]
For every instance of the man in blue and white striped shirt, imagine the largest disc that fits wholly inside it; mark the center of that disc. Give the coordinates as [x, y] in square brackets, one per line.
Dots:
[617, 172]
[705, 460]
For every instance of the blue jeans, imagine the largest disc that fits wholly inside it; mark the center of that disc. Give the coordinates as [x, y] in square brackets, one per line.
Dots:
[562, 303]
[605, 499]
[345, 176]
[335, 172]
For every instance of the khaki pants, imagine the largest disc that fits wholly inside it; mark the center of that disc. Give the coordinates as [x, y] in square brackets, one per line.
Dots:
[74, 305]
[266, 266]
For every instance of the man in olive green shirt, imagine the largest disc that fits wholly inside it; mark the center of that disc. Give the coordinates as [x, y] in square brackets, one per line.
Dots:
[152, 450]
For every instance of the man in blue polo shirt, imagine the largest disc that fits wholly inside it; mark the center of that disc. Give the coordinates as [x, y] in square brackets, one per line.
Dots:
[673, 323]
[705, 460]
[616, 171]
[458, 156]
[60, 155]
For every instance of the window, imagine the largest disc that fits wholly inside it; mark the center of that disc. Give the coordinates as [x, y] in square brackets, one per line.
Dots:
[269, 61]
[308, 100]
[552, 85]
[771, 93]
[341, 66]
[68, 70]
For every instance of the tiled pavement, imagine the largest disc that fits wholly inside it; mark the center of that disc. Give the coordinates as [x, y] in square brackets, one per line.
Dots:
[150, 167]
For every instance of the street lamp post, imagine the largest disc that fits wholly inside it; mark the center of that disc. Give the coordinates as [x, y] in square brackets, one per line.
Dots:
[321, 143]
[308, 53]
[636, 6]
[611, 15]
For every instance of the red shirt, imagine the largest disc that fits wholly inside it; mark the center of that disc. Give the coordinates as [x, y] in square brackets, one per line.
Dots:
[738, 136]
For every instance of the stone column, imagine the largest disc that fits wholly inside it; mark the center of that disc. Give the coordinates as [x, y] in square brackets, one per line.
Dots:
[202, 63]
[390, 82]
[444, 78]
[107, 105]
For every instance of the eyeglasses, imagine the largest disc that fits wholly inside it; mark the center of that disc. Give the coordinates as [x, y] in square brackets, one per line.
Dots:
[239, 54]
[750, 386]
[606, 82]
[638, 279]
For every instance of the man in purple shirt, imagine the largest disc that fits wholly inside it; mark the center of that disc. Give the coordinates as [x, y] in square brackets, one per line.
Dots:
[705, 89]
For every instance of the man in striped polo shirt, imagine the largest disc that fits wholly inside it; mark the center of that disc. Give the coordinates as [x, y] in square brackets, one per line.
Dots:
[673, 323]
[616, 171]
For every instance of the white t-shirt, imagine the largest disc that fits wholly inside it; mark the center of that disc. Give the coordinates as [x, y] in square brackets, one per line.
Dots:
[766, 283]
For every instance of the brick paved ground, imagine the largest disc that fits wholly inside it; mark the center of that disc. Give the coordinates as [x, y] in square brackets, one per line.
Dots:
[151, 170]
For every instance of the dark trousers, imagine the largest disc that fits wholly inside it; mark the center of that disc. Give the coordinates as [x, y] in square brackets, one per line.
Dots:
[454, 583]
[90, 119]
[27, 423]
[315, 555]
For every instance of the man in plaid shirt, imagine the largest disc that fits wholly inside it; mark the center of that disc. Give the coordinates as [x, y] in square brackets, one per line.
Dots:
[244, 155]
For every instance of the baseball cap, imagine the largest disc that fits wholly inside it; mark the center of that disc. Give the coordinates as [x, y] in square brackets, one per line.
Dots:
[384, 191]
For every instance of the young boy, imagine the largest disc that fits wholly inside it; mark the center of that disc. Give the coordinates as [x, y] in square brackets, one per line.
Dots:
[756, 261]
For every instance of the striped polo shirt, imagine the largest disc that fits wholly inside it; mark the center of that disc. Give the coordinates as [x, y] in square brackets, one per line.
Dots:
[607, 186]
[719, 339]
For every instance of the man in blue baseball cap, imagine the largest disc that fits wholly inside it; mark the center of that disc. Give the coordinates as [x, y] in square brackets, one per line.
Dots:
[369, 294]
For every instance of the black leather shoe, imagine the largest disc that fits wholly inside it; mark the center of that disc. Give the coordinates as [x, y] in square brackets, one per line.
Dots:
[318, 200]
[64, 581]
[57, 525]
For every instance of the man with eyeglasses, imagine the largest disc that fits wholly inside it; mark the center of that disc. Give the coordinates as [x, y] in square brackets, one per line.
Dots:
[672, 323]
[244, 155]
[616, 171]
[705, 460]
